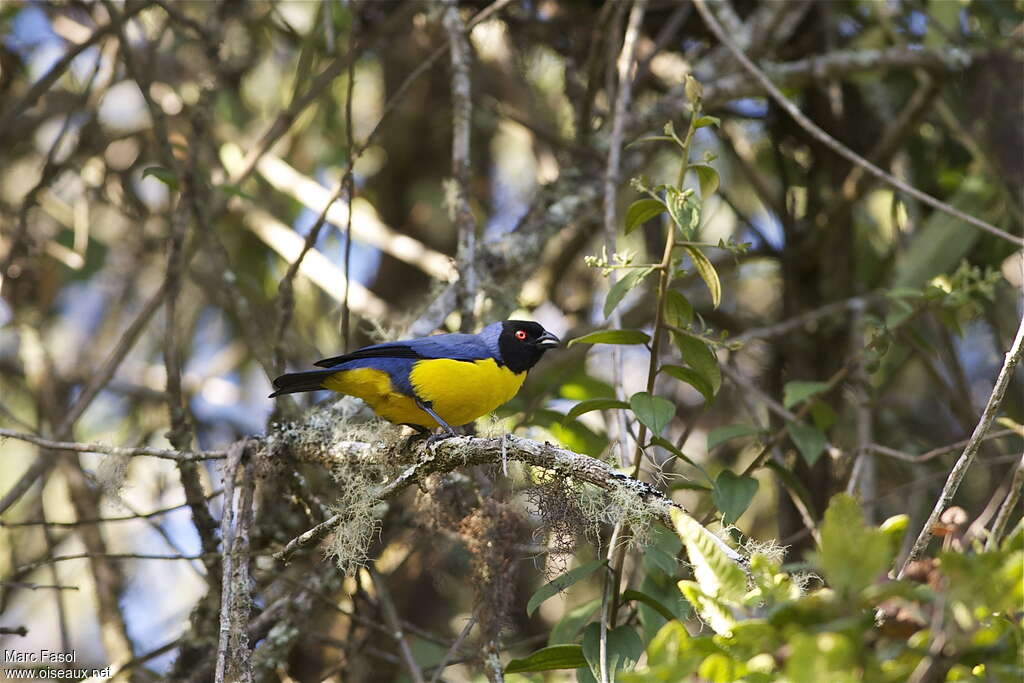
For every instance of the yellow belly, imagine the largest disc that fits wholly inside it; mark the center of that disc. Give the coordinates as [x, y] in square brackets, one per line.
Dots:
[374, 387]
[458, 391]
[461, 391]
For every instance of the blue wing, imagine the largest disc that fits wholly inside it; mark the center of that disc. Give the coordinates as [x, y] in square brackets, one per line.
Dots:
[467, 347]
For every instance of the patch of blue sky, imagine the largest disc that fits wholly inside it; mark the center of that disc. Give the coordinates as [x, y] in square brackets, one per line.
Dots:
[365, 259]
[83, 66]
[510, 200]
[154, 614]
[80, 305]
[978, 354]
[29, 29]
[770, 226]
[751, 107]
[917, 23]
[848, 27]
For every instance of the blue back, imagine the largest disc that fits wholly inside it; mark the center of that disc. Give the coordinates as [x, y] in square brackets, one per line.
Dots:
[397, 358]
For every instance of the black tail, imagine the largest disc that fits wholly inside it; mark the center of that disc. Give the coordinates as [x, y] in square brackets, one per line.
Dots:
[295, 382]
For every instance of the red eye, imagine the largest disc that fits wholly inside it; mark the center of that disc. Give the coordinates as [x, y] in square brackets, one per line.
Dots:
[521, 335]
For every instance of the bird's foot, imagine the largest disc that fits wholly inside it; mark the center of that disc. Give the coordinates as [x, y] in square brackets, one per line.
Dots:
[440, 435]
[419, 435]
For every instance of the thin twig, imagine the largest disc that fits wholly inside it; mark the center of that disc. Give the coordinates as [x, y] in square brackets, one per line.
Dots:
[443, 664]
[1008, 506]
[390, 614]
[839, 148]
[935, 452]
[111, 450]
[956, 475]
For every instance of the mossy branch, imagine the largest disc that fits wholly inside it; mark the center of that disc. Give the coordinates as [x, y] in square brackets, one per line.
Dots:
[459, 452]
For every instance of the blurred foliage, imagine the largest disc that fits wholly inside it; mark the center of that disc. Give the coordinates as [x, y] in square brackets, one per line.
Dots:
[788, 329]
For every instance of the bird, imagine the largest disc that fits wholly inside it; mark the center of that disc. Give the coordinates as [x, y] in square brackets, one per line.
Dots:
[441, 381]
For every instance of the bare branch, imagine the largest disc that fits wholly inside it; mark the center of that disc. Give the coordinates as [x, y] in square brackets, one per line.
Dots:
[956, 475]
[462, 112]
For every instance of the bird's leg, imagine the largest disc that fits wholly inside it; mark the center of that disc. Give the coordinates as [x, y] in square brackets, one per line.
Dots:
[448, 432]
[421, 433]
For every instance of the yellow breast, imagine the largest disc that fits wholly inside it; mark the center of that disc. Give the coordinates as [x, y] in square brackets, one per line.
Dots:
[462, 391]
[374, 387]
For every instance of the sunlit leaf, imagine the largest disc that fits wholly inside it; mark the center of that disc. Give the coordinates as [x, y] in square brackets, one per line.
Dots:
[707, 273]
[593, 404]
[622, 287]
[641, 211]
[708, 178]
[717, 575]
[612, 337]
[678, 310]
[691, 377]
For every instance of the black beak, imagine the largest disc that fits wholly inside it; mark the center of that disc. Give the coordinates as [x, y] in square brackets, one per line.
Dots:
[548, 341]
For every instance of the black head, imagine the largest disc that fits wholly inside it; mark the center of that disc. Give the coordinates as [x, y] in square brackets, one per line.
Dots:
[522, 343]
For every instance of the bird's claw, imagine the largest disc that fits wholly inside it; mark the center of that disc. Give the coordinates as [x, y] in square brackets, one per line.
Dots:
[440, 436]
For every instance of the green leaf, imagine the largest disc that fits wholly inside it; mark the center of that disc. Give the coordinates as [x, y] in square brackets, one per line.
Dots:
[569, 626]
[664, 590]
[717, 576]
[559, 584]
[548, 659]
[732, 494]
[653, 411]
[684, 210]
[641, 211]
[630, 594]
[163, 174]
[652, 138]
[707, 121]
[624, 648]
[612, 337]
[582, 386]
[795, 393]
[808, 439]
[656, 558]
[712, 611]
[707, 273]
[678, 310]
[699, 356]
[691, 377]
[708, 178]
[720, 435]
[591, 405]
[623, 287]
[851, 555]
